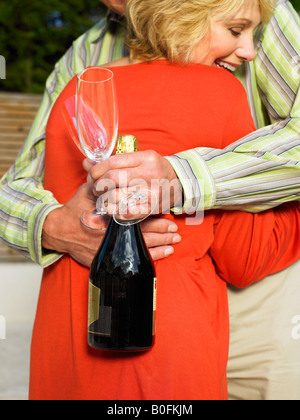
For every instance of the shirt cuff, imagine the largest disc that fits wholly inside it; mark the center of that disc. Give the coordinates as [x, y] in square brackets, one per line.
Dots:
[196, 180]
[35, 228]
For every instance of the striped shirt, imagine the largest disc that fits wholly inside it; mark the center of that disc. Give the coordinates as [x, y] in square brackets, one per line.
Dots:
[260, 171]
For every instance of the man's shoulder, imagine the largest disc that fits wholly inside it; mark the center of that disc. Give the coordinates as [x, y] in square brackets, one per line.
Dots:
[93, 34]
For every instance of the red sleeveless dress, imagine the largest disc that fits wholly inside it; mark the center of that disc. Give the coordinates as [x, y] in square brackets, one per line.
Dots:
[169, 108]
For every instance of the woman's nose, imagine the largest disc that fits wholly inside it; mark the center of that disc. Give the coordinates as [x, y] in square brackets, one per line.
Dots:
[246, 51]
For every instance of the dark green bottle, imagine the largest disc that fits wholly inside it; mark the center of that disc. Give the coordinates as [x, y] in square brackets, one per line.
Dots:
[122, 291]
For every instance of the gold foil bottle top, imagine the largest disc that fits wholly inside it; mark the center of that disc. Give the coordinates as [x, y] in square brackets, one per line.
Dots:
[127, 144]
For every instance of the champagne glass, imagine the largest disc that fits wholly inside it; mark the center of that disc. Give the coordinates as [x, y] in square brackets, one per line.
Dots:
[92, 119]
[69, 114]
[96, 129]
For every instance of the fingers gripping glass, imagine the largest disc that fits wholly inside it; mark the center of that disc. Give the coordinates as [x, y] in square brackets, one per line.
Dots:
[135, 207]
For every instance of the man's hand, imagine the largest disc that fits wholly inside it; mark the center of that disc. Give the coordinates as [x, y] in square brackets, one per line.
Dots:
[63, 231]
[139, 170]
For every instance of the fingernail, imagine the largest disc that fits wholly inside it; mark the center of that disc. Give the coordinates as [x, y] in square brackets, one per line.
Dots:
[176, 239]
[173, 228]
[169, 251]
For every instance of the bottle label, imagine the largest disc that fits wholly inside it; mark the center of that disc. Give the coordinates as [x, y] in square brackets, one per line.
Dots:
[99, 317]
[94, 303]
[154, 305]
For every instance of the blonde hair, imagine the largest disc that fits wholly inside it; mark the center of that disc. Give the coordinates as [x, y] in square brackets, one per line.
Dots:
[172, 29]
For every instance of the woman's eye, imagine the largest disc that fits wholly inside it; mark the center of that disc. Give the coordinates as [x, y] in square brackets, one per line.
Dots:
[235, 32]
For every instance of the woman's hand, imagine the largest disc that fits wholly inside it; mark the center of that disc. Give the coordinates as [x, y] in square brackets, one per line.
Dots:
[140, 170]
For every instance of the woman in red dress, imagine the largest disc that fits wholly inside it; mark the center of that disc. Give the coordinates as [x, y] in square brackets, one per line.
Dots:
[168, 107]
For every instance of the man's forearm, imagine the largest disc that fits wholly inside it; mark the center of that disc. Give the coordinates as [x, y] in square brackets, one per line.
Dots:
[22, 217]
[256, 173]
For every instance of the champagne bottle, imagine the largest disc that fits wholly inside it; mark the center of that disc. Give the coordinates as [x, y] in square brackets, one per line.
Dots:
[122, 290]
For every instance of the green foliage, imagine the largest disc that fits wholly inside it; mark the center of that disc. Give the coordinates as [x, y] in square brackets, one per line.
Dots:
[35, 34]
[296, 4]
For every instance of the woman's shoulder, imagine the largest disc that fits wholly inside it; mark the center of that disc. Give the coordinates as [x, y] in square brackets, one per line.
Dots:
[194, 72]
[217, 77]
[200, 75]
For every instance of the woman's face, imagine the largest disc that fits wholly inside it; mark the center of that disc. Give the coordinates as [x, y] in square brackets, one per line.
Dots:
[231, 40]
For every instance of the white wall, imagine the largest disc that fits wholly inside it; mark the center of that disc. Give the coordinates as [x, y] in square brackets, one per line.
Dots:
[19, 290]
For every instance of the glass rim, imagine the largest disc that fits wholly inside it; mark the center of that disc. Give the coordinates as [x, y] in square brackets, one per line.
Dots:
[111, 74]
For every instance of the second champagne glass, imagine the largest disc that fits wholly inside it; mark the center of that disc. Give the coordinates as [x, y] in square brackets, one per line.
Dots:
[97, 125]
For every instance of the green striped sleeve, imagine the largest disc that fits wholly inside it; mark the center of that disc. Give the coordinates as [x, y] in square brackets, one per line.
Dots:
[24, 204]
